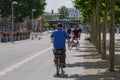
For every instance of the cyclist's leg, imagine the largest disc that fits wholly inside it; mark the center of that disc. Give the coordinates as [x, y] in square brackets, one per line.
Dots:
[55, 58]
[77, 39]
[73, 38]
[63, 59]
[57, 64]
[77, 44]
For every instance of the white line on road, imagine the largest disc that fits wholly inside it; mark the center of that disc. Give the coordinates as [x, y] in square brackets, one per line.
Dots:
[23, 62]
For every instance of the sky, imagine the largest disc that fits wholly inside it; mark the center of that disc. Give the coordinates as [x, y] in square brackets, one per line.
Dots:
[55, 4]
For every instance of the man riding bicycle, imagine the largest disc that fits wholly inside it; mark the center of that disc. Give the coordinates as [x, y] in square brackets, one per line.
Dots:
[76, 33]
[58, 38]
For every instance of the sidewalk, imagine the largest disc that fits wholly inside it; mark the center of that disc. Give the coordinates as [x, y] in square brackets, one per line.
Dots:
[86, 64]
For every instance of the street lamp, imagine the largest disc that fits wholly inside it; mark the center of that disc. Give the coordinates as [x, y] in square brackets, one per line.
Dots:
[32, 17]
[13, 3]
[32, 20]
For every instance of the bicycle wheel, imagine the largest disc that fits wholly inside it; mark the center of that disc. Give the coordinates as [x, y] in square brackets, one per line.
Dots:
[61, 66]
[69, 46]
[77, 45]
[57, 67]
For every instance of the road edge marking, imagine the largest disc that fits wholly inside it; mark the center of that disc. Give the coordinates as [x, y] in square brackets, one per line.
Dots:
[2, 73]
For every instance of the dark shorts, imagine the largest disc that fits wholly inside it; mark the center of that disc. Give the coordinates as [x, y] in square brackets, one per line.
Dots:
[74, 37]
[61, 52]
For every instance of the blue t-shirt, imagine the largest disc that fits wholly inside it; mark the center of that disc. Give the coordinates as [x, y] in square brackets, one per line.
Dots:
[59, 36]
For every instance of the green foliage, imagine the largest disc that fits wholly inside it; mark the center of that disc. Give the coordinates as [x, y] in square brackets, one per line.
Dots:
[63, 12]
[23, 9]
[46, 24]
[117, 11]
[88, 6]
[54, 25]
[5, 7]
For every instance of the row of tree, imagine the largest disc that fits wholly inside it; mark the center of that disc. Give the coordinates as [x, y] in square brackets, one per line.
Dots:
[23, 9]
[101, 14]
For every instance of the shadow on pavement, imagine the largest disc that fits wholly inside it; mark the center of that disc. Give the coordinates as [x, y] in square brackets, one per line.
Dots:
[100, 76]
[93, 63]
[90, 65]
[88, 56]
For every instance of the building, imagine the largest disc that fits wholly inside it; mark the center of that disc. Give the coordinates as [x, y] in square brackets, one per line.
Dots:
[50, 16]
[74, 13]
[73, 18]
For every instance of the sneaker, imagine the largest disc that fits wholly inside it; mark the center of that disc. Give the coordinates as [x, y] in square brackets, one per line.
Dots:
[63, 72]
[57, 74]
[64, 65]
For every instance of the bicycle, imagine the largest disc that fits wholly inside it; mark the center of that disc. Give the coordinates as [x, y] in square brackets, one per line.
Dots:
[57, 60]
[72, 44]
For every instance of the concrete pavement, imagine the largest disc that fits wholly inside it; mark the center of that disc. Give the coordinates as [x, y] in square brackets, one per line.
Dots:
[82, 64]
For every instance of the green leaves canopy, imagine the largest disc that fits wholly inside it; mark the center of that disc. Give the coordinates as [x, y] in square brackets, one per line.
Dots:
[87, 6]
[23, 9]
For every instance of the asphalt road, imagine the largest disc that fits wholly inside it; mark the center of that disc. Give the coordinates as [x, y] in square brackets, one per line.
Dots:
[29, 60]
[23, 54]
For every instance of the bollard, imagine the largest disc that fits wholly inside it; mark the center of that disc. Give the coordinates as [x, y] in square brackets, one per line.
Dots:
[35, 35]
[39, 38]
[32, 37]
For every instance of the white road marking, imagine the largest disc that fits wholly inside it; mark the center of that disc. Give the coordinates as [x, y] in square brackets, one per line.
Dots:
[23, 62]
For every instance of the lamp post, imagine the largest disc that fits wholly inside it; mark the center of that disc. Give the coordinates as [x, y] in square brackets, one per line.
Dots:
[32, 20]
[13, 3]
[32, 17]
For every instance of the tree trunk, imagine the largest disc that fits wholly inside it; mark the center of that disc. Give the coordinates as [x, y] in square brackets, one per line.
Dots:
[91, 28]
[104, 32]
[98, 25]
[112, 35]
[95, 28]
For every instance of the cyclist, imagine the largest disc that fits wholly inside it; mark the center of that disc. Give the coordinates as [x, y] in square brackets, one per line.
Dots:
[58, 38]
[76, 33]
[69, 31]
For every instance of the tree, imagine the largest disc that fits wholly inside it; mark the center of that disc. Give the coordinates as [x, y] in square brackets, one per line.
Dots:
[112, 35]
[46, 24]
[103, 55]
[23, 8]
[90, 8]
[63, 11]
[5, 7]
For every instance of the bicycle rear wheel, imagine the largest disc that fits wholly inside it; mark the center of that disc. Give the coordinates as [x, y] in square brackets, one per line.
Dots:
[77, 45]
[70, 45]
[57, 69]
[62, 66]
[57, 64]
